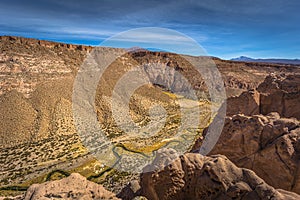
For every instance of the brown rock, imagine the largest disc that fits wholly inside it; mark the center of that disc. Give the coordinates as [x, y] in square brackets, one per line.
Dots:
[73, 187]
[278, 93]
[247, 103]
[193, 176]
[130, 191]
[268, 145]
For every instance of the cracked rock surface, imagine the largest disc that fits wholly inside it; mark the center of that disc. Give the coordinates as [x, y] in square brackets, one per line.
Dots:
[73, 187]
[193, 176]
[268, 145]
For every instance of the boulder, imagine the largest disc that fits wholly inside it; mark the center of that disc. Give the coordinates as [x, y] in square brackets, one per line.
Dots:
[280, 94]
[268, 145]
[73, 187]
[193, 176]
[247, 103]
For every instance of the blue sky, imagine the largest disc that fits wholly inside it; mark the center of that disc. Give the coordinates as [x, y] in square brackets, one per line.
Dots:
[224, 28]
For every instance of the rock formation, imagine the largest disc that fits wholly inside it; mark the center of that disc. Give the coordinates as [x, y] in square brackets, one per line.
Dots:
[73, 187]
[278, 93]
[247, 103]
[43, 43]
[193, 176]
[257, 138]
[268, 145]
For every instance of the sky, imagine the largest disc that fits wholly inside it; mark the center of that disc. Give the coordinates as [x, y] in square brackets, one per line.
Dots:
[224, 28]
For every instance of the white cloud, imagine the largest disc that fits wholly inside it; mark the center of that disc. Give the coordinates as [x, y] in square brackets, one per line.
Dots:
[154, 35]
[87, 31]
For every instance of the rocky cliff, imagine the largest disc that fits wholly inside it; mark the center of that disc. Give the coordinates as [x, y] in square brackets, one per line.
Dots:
[268, 145]
[277, 93]
[193, 176]
[262, 131]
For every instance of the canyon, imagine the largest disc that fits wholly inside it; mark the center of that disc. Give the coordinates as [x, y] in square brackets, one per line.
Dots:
[256, 156]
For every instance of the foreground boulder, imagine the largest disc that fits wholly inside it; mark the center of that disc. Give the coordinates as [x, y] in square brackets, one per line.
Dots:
[193, 176]
[268, 145]
[73, 187]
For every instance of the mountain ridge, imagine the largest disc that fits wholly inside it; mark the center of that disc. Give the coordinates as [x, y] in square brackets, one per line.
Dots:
[267, 60]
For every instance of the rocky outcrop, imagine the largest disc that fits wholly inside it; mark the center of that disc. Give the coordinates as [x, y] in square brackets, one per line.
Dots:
[193, 176]
[268, 145]
[131, 191]
[255, 137]
[247, 103]
[278, 93]
[73, 187]
[44, 43]
[233, 82]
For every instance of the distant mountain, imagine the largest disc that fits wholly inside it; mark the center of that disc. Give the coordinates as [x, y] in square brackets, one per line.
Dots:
[136, 49]
[242, 58]
[271, 60]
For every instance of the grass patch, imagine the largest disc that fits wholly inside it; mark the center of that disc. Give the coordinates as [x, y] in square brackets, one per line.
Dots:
[171, 95]
[142, 150]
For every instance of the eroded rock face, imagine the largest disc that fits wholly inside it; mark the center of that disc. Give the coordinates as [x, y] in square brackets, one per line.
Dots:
[193, 176]
[268, 145]
[44, 43]
[247, 103]
[278, 93]
[73, 187]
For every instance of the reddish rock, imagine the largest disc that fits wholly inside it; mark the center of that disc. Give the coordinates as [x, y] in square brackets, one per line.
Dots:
[247, 103]
[73, 187]
[280, 94]
[268, 145]
[193, 176]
